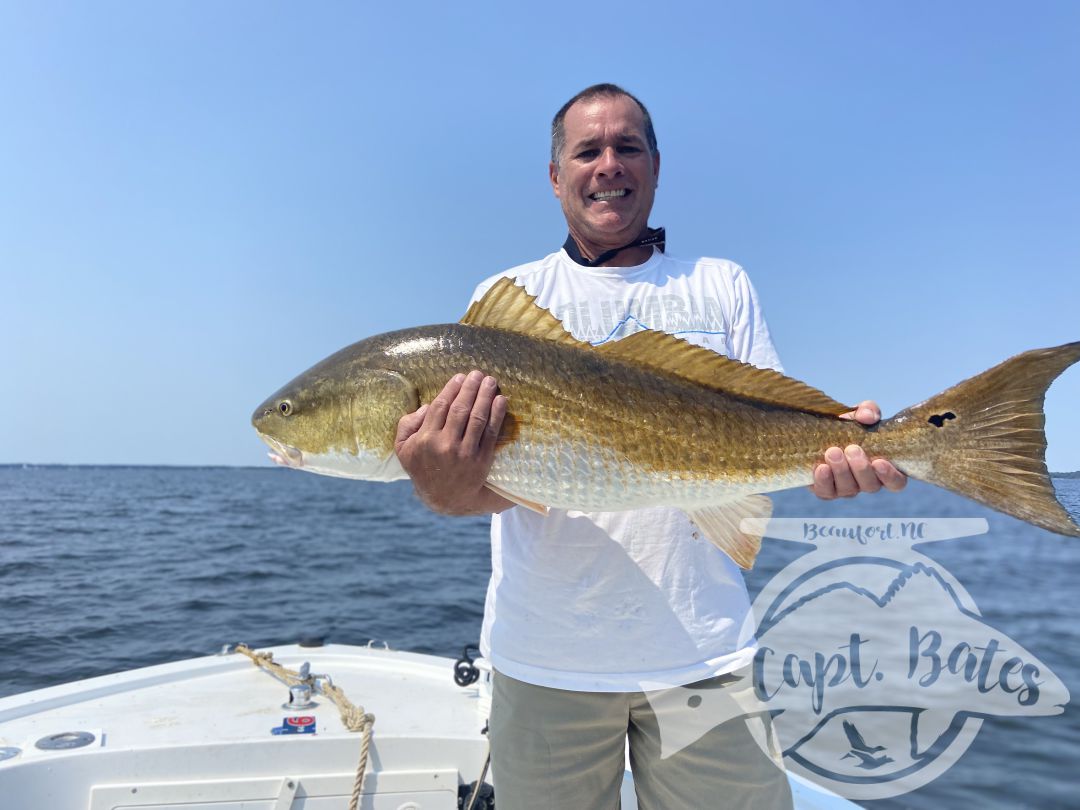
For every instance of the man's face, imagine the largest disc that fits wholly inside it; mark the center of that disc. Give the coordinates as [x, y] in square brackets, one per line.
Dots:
[606, 175]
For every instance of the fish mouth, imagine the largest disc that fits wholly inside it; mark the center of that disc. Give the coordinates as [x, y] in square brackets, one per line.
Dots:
[284, 454]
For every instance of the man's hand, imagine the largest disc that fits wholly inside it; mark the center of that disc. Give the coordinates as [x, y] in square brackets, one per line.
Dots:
[848, 472]
[447, 446]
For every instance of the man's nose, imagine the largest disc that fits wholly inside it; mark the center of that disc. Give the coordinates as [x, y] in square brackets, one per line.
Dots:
[609, 163]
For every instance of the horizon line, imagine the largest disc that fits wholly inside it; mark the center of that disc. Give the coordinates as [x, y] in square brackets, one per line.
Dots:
[129, 465]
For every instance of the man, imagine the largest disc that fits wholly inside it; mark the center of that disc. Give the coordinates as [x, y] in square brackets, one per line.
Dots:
[584, 609]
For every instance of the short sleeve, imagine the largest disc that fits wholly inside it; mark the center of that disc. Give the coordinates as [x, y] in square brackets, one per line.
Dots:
[748, 338]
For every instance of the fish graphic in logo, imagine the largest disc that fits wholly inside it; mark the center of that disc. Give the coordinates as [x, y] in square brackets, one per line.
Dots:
[873, 661]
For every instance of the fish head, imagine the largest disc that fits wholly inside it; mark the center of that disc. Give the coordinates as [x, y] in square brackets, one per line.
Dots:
[338, 421]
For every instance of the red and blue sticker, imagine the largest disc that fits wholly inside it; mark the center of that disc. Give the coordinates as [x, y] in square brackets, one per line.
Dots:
[296, 725]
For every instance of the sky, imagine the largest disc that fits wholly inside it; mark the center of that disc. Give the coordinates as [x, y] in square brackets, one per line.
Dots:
[198, 201]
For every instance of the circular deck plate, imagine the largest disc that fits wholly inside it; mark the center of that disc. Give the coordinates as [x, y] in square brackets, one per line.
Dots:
[9, 753]
[65, 740]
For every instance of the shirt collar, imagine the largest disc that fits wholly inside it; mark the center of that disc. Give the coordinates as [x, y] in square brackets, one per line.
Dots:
[655, 237]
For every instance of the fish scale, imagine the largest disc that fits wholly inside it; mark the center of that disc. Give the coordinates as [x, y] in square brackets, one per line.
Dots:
[651, 420]
[601, 448]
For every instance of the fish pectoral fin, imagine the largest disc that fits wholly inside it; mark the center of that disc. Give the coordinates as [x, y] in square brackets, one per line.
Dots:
[539, 508]
[720, 524]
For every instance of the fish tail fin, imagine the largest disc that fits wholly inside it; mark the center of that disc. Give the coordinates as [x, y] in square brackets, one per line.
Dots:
[986, 438]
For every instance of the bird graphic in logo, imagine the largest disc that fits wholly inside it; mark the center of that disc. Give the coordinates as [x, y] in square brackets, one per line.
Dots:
[862, 751]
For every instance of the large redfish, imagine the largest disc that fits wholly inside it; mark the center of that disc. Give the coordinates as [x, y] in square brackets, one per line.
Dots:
[653, 420]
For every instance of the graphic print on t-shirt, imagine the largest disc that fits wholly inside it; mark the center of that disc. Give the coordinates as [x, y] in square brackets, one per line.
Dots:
[599, 321]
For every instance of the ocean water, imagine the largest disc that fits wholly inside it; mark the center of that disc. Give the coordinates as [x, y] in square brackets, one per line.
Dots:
[107, 568]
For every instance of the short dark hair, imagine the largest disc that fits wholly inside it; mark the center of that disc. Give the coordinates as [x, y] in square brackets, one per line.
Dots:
[558, 129]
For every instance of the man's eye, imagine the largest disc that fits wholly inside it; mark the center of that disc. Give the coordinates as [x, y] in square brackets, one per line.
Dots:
[629, 150]
[588, 154]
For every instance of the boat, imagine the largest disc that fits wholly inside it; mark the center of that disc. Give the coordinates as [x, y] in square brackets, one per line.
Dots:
[309, 726]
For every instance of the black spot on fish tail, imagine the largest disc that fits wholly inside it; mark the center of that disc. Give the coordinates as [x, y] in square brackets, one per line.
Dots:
[938, 419]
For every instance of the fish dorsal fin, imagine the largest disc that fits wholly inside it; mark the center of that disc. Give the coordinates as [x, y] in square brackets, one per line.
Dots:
[674, 355]
[507, 306]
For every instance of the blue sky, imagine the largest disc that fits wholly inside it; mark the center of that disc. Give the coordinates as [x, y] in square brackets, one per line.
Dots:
[199, 200]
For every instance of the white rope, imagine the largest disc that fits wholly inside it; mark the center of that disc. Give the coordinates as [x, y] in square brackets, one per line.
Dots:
[352, 716]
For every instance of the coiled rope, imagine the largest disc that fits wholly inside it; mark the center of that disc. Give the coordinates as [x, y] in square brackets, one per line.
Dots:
[352, 716]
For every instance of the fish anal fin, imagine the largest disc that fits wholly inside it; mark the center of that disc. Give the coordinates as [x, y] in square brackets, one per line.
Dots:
[539, 508]
[720, 525]
[507, 306]
[674, 355]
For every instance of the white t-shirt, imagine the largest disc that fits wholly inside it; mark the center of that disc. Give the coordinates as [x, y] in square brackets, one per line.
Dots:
[607, 601]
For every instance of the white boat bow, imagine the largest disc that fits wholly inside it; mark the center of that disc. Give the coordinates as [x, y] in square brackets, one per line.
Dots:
[212, 733]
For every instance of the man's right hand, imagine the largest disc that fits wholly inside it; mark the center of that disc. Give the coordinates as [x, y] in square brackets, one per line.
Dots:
[447, 446]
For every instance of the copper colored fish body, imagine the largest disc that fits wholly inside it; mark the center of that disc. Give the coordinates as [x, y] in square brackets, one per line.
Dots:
[652, 420]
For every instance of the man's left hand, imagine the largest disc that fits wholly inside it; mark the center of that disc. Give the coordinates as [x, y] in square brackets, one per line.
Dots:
[848, 472]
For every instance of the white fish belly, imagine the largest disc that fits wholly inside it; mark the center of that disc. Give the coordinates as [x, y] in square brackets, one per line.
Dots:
[596, 479]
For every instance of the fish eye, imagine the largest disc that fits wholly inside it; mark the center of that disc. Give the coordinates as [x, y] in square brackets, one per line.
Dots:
[285, 407]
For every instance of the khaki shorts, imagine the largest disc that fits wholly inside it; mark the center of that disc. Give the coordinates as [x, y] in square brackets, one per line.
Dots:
[554, 749]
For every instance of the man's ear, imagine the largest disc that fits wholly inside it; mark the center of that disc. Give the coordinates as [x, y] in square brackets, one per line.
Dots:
[553, 175]
[656, 169]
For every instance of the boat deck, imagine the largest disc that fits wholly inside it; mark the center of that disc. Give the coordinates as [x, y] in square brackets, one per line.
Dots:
[200, 734]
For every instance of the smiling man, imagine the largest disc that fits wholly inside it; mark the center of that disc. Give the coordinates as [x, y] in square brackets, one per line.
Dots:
[605, 174]
[583, 609]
